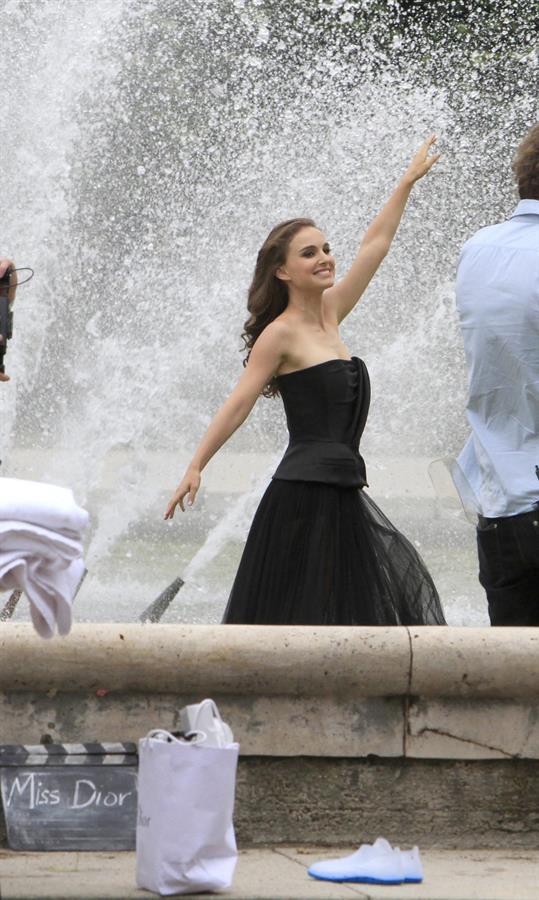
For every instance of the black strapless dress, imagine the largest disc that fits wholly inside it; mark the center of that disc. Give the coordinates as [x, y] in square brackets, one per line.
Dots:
[319, 551]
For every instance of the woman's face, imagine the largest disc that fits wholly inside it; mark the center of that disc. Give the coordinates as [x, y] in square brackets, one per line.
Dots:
[309, 264]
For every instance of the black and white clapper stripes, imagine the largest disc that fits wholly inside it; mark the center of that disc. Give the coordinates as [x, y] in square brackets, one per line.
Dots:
[87, 754]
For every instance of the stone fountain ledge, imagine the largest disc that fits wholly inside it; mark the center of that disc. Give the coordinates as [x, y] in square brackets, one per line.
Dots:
[424, 735]
[423, 693]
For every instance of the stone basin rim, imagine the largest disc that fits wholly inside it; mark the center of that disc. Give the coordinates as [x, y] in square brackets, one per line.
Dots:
[273, 660]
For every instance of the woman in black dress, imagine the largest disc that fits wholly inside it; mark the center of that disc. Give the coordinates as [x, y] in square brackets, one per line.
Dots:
[319, 551]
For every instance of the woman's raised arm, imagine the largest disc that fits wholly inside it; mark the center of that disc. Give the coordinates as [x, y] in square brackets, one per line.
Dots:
[344, 295]
[265, 358]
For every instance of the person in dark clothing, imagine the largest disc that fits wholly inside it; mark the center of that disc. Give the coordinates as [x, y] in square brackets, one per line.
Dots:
[319, 551]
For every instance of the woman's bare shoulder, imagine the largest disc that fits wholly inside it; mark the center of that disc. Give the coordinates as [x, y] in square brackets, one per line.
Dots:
[279, 331]
[272, 345]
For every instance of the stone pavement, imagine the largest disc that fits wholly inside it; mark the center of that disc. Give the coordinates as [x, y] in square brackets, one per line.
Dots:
[274, 873]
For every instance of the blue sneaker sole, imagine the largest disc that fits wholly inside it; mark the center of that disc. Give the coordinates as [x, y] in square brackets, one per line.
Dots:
[356, 880]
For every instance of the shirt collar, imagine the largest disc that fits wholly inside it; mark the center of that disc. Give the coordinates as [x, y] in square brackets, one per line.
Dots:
[527, 208]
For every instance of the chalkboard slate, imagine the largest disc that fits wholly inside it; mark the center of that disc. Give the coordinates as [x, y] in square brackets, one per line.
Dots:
[70, 806]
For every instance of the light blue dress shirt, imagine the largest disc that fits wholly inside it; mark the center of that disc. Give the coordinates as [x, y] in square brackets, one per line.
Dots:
[498, 304]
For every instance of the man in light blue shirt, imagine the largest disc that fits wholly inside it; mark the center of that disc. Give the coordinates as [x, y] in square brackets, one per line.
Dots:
[498, 305]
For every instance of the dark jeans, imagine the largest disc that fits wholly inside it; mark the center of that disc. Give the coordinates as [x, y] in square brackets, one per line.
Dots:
[508, 549]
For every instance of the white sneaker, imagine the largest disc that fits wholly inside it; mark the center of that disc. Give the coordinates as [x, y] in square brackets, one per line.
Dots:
[374, 863]
[413, 869]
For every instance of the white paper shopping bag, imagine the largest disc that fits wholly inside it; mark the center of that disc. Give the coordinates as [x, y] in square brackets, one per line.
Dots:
[185, 833]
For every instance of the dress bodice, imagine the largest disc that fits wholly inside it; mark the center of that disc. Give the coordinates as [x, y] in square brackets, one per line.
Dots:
[326, 409]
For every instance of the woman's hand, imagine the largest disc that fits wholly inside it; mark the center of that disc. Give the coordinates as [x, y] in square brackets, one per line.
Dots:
[421, 162]
[189, 485]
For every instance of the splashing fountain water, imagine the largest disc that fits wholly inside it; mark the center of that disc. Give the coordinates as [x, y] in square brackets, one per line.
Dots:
[148, 149]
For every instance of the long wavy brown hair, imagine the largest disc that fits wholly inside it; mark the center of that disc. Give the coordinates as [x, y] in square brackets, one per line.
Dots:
[268, 295]
[526, 165]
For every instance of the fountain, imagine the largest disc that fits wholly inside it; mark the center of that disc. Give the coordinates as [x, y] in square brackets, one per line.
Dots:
[148, 147]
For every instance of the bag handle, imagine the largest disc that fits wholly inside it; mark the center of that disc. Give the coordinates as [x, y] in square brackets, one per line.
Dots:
[214, 708]
[166, 736]
[225, 729]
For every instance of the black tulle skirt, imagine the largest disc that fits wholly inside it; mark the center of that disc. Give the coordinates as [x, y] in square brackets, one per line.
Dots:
[318, 554]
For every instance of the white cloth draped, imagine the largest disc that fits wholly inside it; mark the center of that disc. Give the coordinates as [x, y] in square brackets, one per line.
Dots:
[41, 552]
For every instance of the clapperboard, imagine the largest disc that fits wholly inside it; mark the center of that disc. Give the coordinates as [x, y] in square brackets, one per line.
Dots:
[69, 796]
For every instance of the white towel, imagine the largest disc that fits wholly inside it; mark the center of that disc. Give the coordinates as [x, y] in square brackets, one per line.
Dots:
[41, 549]
[42, 504]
